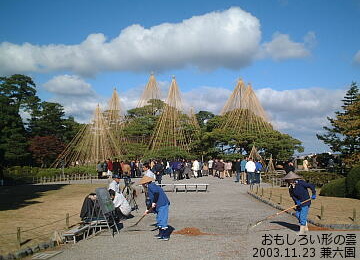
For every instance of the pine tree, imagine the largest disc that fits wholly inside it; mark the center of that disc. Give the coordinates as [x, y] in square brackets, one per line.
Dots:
[344, 135]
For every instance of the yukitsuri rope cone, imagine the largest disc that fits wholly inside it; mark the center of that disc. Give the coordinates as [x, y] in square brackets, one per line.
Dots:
[94, 142]
[254, 154]
[270, 167]
[115, 119]
[113, 115]
[151, 91]
[244, 113]
[170, 132]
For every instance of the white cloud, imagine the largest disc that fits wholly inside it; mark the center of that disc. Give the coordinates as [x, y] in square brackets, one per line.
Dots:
[357, 57]
[282, 47]
[75, 95]
[68, 85]
[229, 38]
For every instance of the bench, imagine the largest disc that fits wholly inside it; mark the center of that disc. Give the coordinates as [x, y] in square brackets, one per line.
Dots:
[190, 186]
[174, 187]
[70, 235]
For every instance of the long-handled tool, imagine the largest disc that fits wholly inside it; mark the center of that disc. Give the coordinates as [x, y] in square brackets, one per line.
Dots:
[137, 222]
[274, 215]
[142, 217]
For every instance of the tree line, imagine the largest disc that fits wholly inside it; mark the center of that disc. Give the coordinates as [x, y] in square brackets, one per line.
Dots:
[40, 138]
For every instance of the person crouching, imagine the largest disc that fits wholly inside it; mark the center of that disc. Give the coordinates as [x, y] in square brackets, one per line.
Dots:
[158, 203]
[122, 206]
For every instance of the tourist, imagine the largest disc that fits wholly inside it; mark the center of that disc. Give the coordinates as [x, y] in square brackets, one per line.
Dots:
[237, 170]
[178, 169]
[221, 168]
[258, 170]
[250, 168]
[244, 179]
[99, 169]
[187, 169]
[211, 165]
[305, 164]
[89, 209]
[159, 204]
[109, 167]
[117, 167]
[195, 168]
[289, 167]
[158, 170]
[122, 206]
[227, 169]
[298, 190]
[147, 171]
[115, 184]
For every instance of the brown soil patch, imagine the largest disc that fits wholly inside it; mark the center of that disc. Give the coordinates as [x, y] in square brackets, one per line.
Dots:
[190, 231]
[316, 228]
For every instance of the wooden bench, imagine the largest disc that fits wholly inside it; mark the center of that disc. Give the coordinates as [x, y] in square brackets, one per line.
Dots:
[175, 187]
[70, 235]
[190, 186]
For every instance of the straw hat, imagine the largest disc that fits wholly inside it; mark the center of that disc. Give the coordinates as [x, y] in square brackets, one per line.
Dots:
[146, 179]
[291, 176]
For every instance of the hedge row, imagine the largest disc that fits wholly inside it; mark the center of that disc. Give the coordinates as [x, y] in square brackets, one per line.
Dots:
[26, 173]
[345, 187]
[318, 178]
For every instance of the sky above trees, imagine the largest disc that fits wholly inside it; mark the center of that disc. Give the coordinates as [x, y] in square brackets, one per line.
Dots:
[300, 56]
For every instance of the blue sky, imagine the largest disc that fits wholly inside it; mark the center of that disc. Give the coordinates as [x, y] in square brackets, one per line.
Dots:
[300, 56]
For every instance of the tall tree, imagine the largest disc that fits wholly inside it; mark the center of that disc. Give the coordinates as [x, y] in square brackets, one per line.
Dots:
[17, 93]
[343, 135]
[47, 120]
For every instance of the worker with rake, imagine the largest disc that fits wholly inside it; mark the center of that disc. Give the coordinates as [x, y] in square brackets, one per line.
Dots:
[159, 203]
[298, 190]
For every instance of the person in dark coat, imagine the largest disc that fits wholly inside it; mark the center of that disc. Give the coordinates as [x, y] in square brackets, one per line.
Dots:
[289, 167]
[298, 190]
[87, 210]
[159, 203]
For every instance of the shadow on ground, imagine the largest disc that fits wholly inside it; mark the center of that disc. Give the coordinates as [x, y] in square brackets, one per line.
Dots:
[293, 227]
[15, 197]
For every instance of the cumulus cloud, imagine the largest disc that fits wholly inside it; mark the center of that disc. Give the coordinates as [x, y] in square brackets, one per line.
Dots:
[76, 96]
[357, 57]
[229, 39]
[68, 85]
[281, 47]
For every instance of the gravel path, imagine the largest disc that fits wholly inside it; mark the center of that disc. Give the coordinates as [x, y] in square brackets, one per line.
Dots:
[224, 212]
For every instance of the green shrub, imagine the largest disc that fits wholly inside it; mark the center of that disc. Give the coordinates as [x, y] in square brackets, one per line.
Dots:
[335, 188]
[357, 190]
[351, 181]
[319, 178]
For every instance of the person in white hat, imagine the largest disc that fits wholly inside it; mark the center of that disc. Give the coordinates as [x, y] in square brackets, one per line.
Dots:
[158, 203]
[298, 190]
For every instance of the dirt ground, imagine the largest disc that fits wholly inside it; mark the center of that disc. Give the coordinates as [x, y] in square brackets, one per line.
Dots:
[24, 206]
[335, 210]
[228, 210]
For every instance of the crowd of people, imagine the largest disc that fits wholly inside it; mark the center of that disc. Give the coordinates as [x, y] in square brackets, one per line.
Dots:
[245, 170]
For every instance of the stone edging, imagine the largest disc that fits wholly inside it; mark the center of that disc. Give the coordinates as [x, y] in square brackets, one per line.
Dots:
[28, 251]
[331, 226]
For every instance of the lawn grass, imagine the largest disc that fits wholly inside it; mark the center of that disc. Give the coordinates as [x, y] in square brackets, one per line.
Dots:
[335, 210]
[32, 206]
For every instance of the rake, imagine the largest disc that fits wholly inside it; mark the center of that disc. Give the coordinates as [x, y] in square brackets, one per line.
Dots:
[274, 215]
